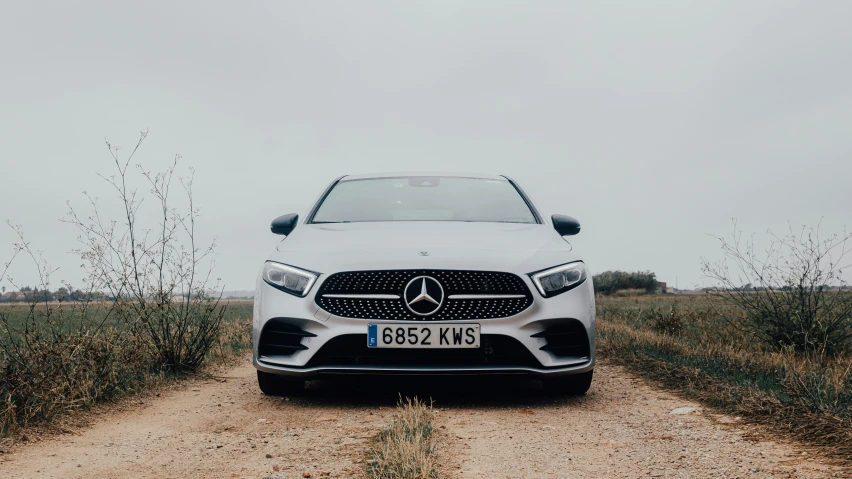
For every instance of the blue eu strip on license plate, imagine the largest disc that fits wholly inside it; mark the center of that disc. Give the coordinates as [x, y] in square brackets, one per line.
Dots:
[372, 335]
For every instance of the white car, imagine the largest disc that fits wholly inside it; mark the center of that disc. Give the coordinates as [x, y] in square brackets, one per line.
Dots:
[435, 274]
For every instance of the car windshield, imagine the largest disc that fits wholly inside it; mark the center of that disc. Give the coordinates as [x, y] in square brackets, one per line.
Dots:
[424, 198]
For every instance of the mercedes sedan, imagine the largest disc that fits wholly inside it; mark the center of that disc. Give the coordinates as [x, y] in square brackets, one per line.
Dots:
[437, 274]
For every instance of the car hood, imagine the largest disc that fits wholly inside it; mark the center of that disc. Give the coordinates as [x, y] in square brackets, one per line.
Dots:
[330, 248]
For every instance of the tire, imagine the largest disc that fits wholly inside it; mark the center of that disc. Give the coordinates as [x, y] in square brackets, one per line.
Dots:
[575, 385]
[275, 385]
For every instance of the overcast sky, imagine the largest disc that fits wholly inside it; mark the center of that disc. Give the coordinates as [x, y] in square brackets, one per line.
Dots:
[654, 123]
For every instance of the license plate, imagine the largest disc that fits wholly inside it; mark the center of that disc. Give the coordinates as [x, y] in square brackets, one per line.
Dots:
[426, 336]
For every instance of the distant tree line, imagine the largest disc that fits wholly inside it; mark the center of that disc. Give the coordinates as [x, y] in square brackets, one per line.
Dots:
[29, 294]
[609, 282]
[785, 288]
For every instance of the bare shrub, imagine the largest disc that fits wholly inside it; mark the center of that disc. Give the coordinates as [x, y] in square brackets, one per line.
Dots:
[145, 311]
[406, 448]
[791, 294]
[155, 273]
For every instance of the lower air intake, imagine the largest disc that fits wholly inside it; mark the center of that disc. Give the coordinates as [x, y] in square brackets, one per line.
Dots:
[280, 338]
[567, 339]
[494, 350]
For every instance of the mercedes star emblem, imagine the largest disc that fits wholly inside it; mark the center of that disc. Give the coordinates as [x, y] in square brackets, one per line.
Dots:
[424, 295]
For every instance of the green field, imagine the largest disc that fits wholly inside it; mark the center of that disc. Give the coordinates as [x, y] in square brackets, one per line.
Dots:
[70, 315]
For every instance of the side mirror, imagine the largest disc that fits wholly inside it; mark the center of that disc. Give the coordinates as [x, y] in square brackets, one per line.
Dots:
[565, 225]
[284, 225]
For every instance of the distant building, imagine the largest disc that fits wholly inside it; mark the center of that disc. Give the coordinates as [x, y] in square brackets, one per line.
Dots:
[660, 288]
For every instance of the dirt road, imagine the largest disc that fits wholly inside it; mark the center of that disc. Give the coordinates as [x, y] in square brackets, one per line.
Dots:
[488, 429]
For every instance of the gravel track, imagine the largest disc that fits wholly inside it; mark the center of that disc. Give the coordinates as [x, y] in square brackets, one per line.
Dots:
[488, 428]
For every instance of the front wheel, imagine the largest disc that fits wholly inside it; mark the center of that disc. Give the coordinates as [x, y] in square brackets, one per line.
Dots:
[576, 384]
[275, 385]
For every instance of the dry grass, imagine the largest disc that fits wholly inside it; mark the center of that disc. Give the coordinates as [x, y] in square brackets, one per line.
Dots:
[823, 384]
[803, 396]
[406, 448]
[56, 364]
[624, 293]
[667, 322]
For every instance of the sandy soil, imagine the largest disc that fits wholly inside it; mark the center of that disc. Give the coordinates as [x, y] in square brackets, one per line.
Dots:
[224, 428]
[622, 428]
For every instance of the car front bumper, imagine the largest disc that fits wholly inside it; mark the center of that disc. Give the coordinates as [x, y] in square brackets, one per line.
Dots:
[575, 305]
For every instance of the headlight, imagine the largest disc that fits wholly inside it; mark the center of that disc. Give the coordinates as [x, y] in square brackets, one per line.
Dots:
[553, 281]
[288, 279]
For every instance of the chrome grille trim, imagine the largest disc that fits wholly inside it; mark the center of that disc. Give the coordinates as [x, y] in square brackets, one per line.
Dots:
[362, 296]
[486, 296]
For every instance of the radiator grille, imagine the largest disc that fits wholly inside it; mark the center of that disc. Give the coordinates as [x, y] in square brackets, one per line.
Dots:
[483, 294]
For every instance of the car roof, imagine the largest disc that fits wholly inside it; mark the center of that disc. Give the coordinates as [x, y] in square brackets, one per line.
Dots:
[404, 174]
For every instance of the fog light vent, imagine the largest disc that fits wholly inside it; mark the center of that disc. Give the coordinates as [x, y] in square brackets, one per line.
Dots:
[280, 338]
[566, 339]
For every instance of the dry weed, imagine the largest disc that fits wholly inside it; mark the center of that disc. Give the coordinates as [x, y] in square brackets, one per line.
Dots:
[406, 448]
